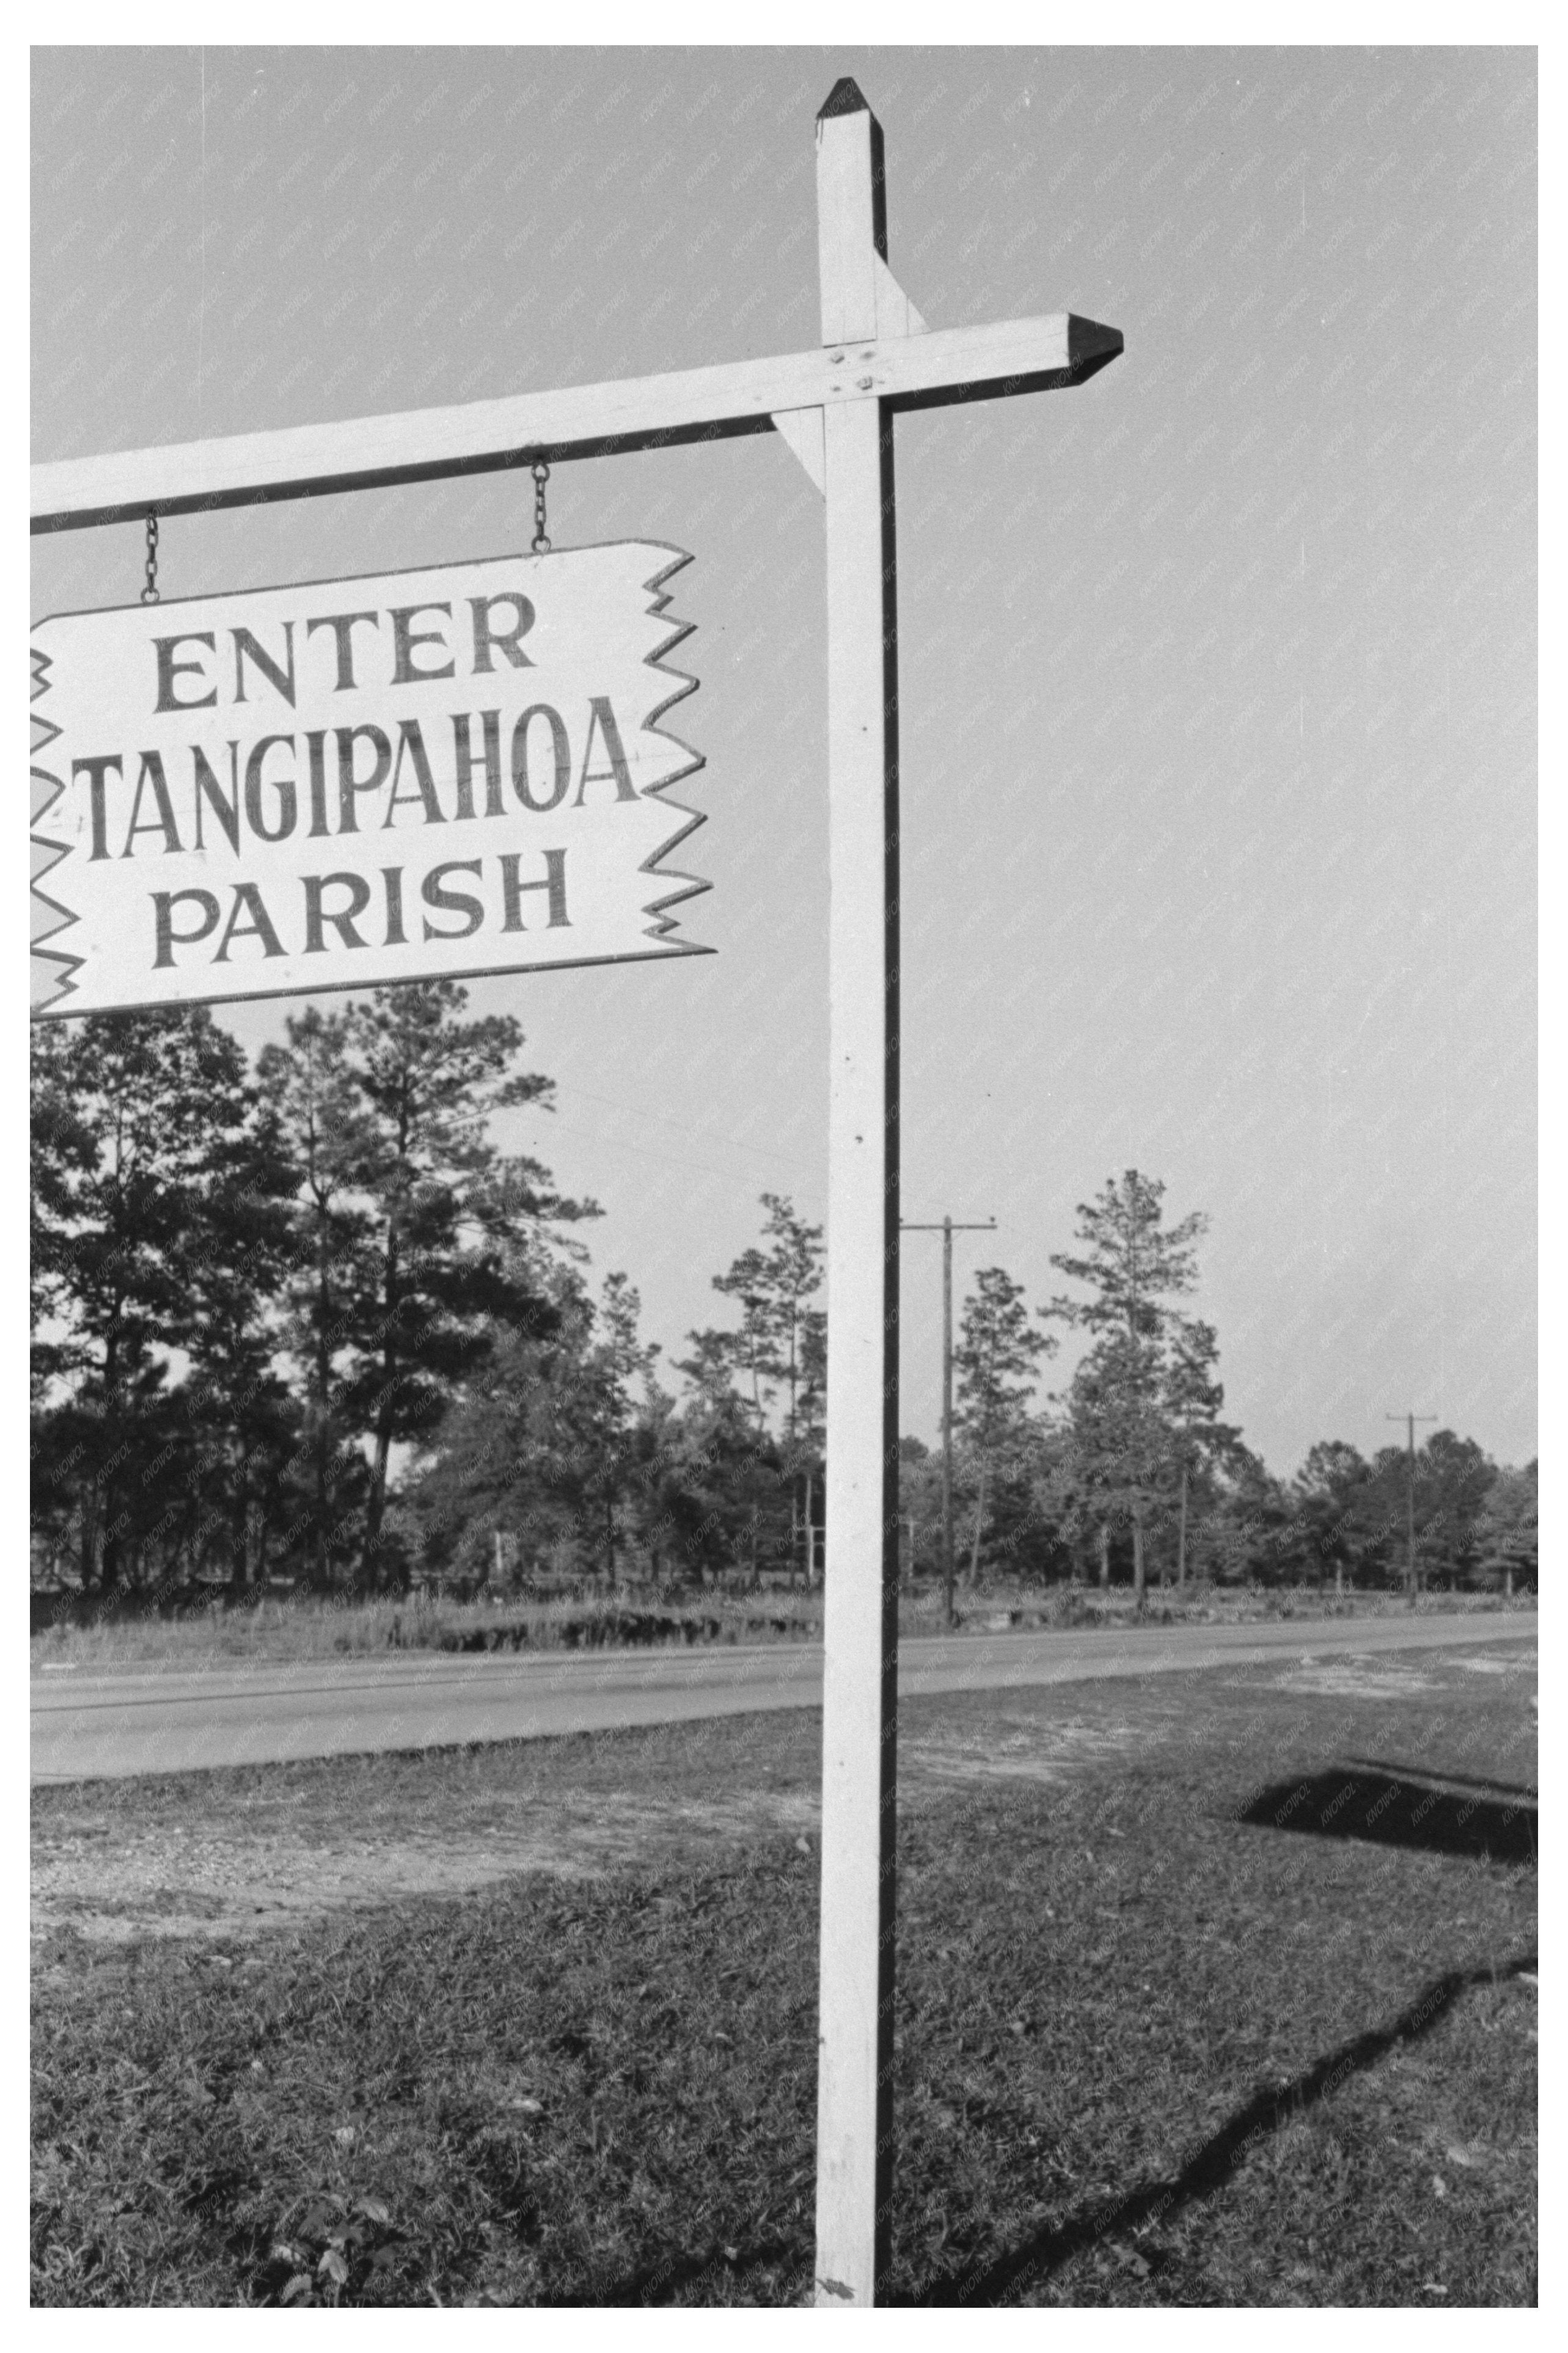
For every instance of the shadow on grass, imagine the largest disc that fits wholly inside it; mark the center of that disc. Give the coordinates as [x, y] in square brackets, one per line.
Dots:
[1526, 1789]
[1004, 2279]
[1385, 1808]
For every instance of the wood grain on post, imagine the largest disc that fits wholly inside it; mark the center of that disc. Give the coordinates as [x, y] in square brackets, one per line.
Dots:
[854, 2106]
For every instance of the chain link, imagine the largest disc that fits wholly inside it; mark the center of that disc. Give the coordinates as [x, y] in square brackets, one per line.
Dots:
[150, 592]
[541, 476]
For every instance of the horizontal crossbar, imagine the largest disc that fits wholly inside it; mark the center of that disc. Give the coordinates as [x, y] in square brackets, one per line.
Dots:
[596, 420]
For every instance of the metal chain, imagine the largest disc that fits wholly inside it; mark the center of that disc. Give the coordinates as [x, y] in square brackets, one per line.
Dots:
[150, 592]
[541, 476]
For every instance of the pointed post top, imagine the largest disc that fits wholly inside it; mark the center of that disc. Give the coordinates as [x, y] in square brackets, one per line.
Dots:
[851, 212]
[844, 98]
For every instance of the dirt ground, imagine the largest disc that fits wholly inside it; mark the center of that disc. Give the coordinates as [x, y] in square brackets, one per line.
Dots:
[240, 1852]
[123, 1871]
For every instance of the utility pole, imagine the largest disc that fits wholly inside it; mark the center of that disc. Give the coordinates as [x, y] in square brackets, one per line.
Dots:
[947, 1229]
[1409, 1420]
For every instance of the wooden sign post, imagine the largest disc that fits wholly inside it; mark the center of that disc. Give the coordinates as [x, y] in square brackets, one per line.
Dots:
[835, 408]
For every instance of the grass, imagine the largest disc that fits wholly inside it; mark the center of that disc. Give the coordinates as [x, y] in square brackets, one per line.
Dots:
[301, 1627]
[278, 1630]
[1167, 2034]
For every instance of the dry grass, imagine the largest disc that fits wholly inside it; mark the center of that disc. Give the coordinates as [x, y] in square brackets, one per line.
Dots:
[275, 1631]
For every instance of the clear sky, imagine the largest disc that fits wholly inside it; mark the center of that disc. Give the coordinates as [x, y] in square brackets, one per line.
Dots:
[1217, 673]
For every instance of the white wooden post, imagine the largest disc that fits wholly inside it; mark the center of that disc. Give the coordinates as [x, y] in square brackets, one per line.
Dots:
[855, 2103]
[834, 407]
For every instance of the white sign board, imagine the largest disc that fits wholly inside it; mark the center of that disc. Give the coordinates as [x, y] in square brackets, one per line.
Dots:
[431, 773]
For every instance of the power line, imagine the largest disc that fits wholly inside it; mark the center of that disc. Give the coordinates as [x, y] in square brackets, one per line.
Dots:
[1409, 1420]
[947, 1229]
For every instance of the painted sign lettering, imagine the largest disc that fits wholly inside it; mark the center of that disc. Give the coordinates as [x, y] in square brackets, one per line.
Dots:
[441, 773]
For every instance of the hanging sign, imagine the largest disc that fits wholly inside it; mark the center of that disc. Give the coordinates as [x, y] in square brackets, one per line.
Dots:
[432, 773]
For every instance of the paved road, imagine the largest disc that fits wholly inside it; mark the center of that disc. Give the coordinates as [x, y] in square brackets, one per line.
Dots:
[87, 1726]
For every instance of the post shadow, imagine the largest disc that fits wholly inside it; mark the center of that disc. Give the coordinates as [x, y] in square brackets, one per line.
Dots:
[1358, 1800]
[1003, 2279]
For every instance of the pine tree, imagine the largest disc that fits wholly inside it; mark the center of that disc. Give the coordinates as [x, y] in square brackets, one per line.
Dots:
[422, 1225]
[1193, 1398]
[241, 1413]
[1133, 1267]
[310, 1090]
[1508, 1528]
[152, 1137]
[1330, 1494]
[995, 1359]
[779, 1357]
[612, 1369]
[1116, 1443]
[797, 1358]
[1453, 1479]
[506, 1458]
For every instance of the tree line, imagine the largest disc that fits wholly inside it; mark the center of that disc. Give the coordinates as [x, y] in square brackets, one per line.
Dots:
[305, 1320]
